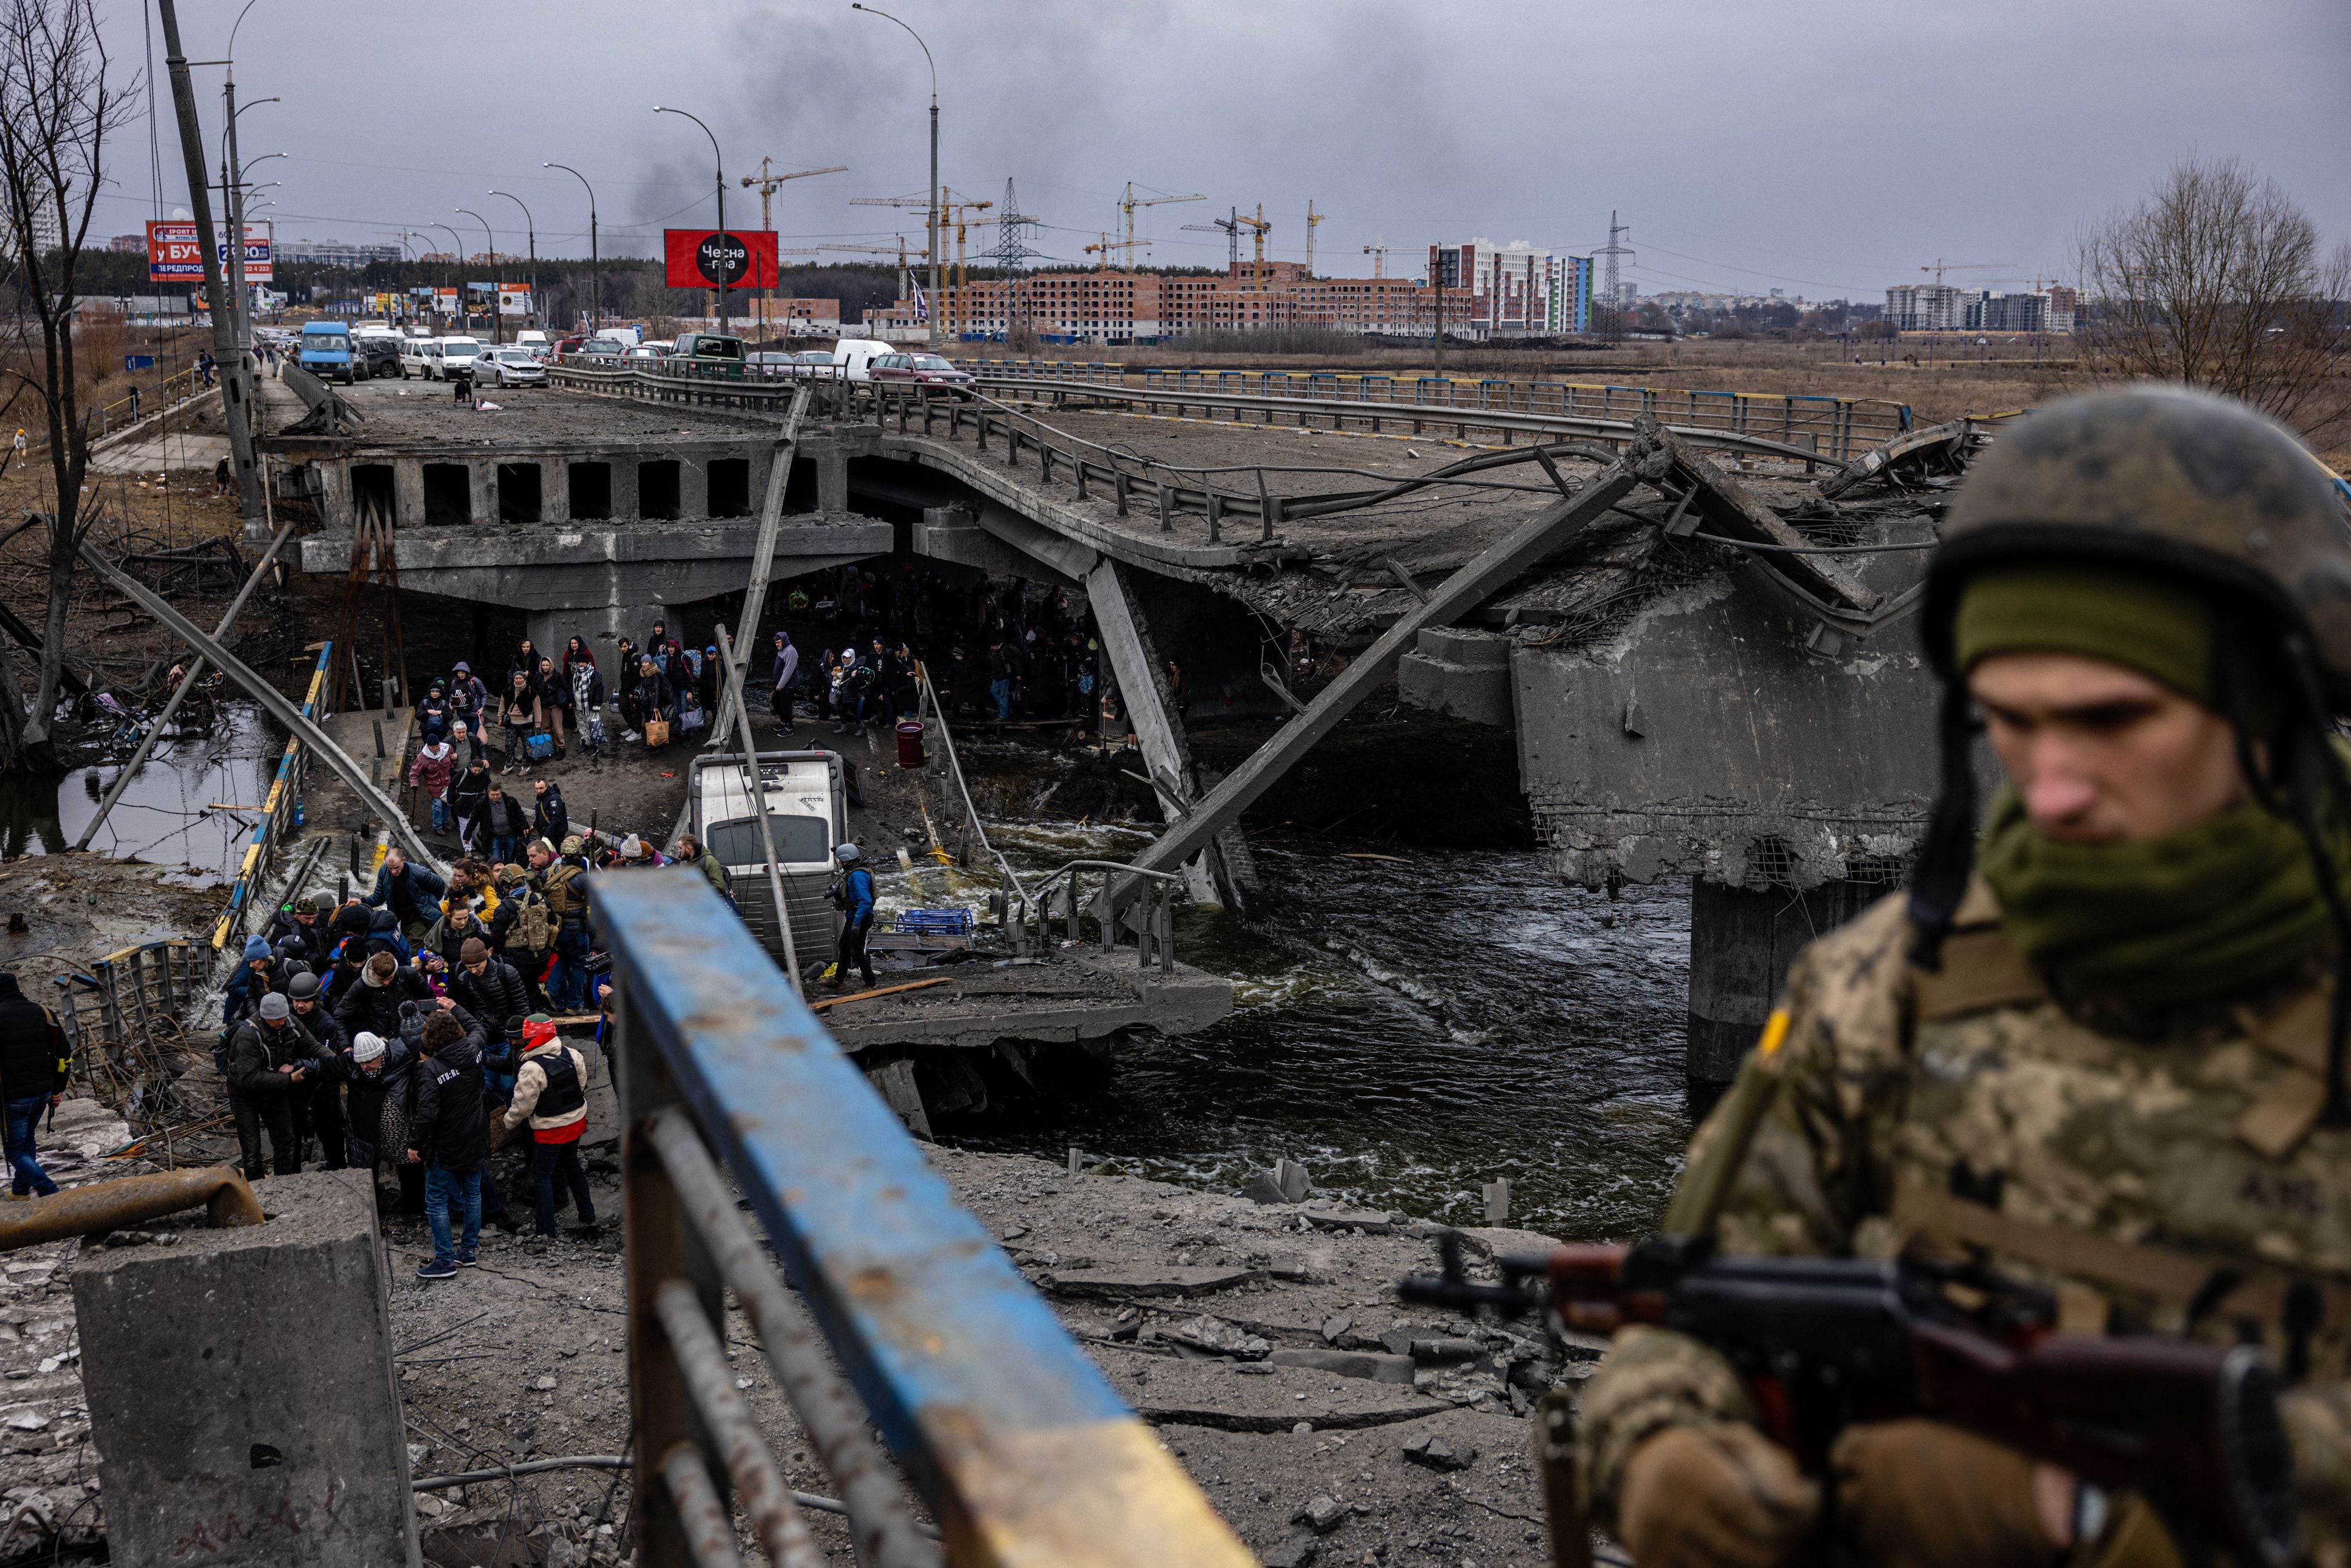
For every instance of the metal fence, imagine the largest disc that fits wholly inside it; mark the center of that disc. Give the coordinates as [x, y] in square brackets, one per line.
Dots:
[1013, 1441]
[1835, 427]
[278, 811]
[128, 993]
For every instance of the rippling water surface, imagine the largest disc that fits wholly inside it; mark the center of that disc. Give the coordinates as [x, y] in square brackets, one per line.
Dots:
[1406, 1031]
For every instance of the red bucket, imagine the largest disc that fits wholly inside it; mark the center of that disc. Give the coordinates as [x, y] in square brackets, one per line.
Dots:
[910, 743]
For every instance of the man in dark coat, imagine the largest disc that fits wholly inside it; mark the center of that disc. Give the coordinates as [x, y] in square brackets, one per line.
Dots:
[551, 819]
[450, 1136]
[34, 1060]
[271, 1058]
[310, 919]
[412, 893]
[318, 1104]
[372, 1002]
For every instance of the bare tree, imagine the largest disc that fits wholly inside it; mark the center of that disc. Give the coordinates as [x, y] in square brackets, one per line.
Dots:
[57, 109]
[2218, 281]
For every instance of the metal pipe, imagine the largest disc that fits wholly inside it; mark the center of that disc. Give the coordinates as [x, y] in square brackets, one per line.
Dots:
[702, 1360]
[227, 1198]
[887, 1532]
[187, 684]
[755, 794]
[270, 697]
[709, 1533]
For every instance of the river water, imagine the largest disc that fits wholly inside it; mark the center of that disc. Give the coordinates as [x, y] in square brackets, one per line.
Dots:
[1407, 1030]
[194, 803]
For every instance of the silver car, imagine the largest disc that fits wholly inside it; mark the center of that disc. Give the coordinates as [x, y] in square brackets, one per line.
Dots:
[508, 367]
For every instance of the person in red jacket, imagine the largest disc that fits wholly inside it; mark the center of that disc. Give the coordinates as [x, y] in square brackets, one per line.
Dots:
[552, 1094]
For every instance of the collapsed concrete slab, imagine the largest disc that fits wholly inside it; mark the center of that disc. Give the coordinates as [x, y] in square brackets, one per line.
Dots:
[241, 1390]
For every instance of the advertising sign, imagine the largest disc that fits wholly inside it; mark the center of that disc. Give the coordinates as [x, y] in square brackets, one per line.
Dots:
[513, 299]
[173, 256]
[705, 258]
[445, 301]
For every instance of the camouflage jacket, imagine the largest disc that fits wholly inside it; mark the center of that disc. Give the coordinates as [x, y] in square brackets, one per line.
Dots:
[2140, 1167]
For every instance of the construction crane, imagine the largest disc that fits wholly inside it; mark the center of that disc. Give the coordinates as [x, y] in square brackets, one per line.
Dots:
[766, 180]
[1942, 267]
[1260, 226]
[1127, 205]
[1378, 251]
[1104, 248]
[1313, 219]
[1231, 229]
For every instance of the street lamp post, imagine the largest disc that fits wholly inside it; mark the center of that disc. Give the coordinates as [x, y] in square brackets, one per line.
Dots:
[595, 268]
[457, 253]
[931, 199]
[496, 334]
[720, 160]
[530, 227]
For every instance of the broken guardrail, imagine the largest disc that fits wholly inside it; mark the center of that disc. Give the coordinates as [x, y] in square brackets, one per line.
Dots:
[1008, 1434]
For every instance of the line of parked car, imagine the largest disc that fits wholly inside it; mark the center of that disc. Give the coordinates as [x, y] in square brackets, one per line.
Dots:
[347, 353]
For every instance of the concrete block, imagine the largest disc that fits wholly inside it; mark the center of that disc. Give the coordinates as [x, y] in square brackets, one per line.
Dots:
[1464, 674]
[241, 1389]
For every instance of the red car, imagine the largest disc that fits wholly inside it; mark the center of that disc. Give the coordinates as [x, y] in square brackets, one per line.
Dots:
[925, 371]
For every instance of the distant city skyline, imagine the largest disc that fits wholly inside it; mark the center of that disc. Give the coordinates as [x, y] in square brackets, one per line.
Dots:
[1830, 149]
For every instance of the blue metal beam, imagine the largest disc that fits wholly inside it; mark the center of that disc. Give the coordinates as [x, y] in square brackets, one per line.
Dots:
[1020, 1446]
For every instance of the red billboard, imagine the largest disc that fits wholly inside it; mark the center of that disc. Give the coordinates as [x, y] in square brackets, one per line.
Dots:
[705, 258]
[174, 256]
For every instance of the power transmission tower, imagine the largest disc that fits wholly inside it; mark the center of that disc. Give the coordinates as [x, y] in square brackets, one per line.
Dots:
[1612, 250]
[1012, 235]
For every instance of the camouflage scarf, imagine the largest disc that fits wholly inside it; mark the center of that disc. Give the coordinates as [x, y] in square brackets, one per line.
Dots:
[2212, 910]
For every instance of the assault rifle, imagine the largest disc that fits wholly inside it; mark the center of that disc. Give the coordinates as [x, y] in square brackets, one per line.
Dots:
[2191, 1428]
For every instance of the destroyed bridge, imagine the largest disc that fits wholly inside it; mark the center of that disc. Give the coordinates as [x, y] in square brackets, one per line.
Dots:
[1686, 606]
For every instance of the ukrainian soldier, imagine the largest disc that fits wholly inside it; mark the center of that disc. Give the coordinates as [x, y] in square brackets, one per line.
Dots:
[2097, 1049]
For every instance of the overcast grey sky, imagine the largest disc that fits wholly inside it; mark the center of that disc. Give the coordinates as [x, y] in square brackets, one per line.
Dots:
[1825, 147]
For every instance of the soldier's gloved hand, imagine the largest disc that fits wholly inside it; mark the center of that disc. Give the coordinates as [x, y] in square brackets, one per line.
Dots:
[1919, 1494]
[1716, 1496]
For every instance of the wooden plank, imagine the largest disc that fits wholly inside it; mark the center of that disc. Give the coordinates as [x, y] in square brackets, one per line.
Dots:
[882, 991]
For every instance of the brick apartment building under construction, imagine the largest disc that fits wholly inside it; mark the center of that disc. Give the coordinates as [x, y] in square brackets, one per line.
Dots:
[1129, 306]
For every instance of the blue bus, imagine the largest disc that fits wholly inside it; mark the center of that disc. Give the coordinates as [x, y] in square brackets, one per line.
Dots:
[326, 353]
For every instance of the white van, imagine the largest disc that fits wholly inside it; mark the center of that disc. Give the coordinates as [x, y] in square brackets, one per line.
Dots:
[415, 356]
[451, 358]
[855, 355]
[532, 339]
[806, 805]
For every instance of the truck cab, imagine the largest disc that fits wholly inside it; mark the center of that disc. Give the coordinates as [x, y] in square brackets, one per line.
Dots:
[807, 804]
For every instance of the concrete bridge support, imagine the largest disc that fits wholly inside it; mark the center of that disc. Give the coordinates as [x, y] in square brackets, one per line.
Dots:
[1741, 942]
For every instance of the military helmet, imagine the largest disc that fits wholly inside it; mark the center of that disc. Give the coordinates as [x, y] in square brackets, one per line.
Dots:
[2164, 479]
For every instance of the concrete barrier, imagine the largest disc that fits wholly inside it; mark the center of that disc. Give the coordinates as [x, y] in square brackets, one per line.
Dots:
[241, 1390]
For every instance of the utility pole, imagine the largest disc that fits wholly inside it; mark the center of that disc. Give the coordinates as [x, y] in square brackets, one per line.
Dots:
[235, 390]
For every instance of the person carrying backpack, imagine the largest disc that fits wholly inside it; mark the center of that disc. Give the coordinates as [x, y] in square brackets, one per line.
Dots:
[551, 1095]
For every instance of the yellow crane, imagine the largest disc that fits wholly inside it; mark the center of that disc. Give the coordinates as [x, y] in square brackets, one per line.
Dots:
[1127, 205]
[1313, 218]
[1258, 226]
[1378, 251]
[766, 180]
